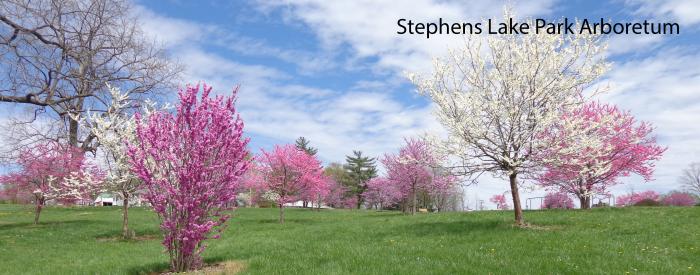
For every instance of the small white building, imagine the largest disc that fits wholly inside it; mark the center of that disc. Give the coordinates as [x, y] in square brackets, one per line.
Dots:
[110, 199]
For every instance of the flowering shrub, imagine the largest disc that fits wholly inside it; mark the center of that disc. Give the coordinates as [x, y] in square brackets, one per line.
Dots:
[500, 201]
[635, 198]
[191, 164]
[679, 199]
[558, 200]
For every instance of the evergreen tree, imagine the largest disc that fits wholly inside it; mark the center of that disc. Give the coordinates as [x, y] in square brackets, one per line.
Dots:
[303, 144]
[360, 170]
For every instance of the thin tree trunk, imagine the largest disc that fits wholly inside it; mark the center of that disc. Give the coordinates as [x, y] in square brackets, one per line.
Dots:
[415, 200]
[125, 223]
[516, 198]
[37, 212]
[281, 213]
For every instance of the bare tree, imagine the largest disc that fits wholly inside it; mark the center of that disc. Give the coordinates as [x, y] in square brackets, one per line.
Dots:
[691, 178]
[57, 55]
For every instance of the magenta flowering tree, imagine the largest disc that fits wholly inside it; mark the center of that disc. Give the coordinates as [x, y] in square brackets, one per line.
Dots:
[289, 173]
[54, 171]
[339, 196]
[634, 198]
[191, 163]
[412, 169]
[500, 201]
[382, 192]
[592, 147]
[557, 200]
[679, 199]
[442, 188]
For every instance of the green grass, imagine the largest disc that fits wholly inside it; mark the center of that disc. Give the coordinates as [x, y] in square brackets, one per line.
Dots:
[658, 240]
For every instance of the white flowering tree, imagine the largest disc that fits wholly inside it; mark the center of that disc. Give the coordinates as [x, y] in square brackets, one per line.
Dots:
[113, 129]
[497, 93]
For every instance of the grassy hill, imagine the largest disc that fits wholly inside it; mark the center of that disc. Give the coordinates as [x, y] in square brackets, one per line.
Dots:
[658, 240]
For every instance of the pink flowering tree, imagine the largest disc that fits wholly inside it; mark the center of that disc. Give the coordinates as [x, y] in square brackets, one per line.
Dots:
[191, 163]
[592, 147]
[442, 189]
[54, 171]
[500, 201]
[252, 186]
[679, 199]
[557, 200]
[412, 169]
[289, 173]
[339, 196]
[382, 192]
[634, 198]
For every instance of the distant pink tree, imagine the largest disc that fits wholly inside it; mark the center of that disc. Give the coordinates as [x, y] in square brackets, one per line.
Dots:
[679, 199]
[53, 171]
[290, 173]
[339, 196]
[500, 201]
[191, 163]
[411, 170]
[592, 147]
[381, 193]
[442, 188]
[253, 183]
[634, 198]
[557, 200]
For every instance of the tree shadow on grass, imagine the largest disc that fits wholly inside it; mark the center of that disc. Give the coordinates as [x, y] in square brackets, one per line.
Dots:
[31, 225]
[458, 227]
[287, 221]
[141, 235]
[152, 268]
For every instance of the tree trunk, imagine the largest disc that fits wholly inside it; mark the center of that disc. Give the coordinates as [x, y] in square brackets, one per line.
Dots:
[359, 200]
[281, 213]
[516, 198]
[305, 204]
[415, 200]
[37, 212]
[125, 223]
[585, 202]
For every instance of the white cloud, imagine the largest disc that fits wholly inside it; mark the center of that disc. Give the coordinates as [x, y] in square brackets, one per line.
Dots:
[369, 27]
[686, 12]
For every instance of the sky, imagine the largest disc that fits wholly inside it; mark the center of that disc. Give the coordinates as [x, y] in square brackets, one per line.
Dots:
[334, 71]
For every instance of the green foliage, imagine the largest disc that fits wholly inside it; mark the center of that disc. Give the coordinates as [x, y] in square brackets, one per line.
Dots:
[648, 202]
[338, 173]
[598, 241]
[360, 170]
[303, 144]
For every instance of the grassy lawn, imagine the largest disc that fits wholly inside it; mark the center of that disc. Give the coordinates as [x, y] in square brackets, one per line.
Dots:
[600, 241]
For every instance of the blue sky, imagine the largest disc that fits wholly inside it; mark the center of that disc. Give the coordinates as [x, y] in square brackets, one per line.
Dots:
[333, 70]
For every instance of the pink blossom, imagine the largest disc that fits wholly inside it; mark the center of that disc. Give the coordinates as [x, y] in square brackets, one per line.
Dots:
[593, 147]
[500, 201]
[292, 174]
[53, 171]
[382, 193]
[679, 199]
[557, 200]
[634, 198]
[191, 163]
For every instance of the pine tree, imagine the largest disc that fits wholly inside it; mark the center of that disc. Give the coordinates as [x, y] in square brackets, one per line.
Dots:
[361, 169]
[303, 144]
